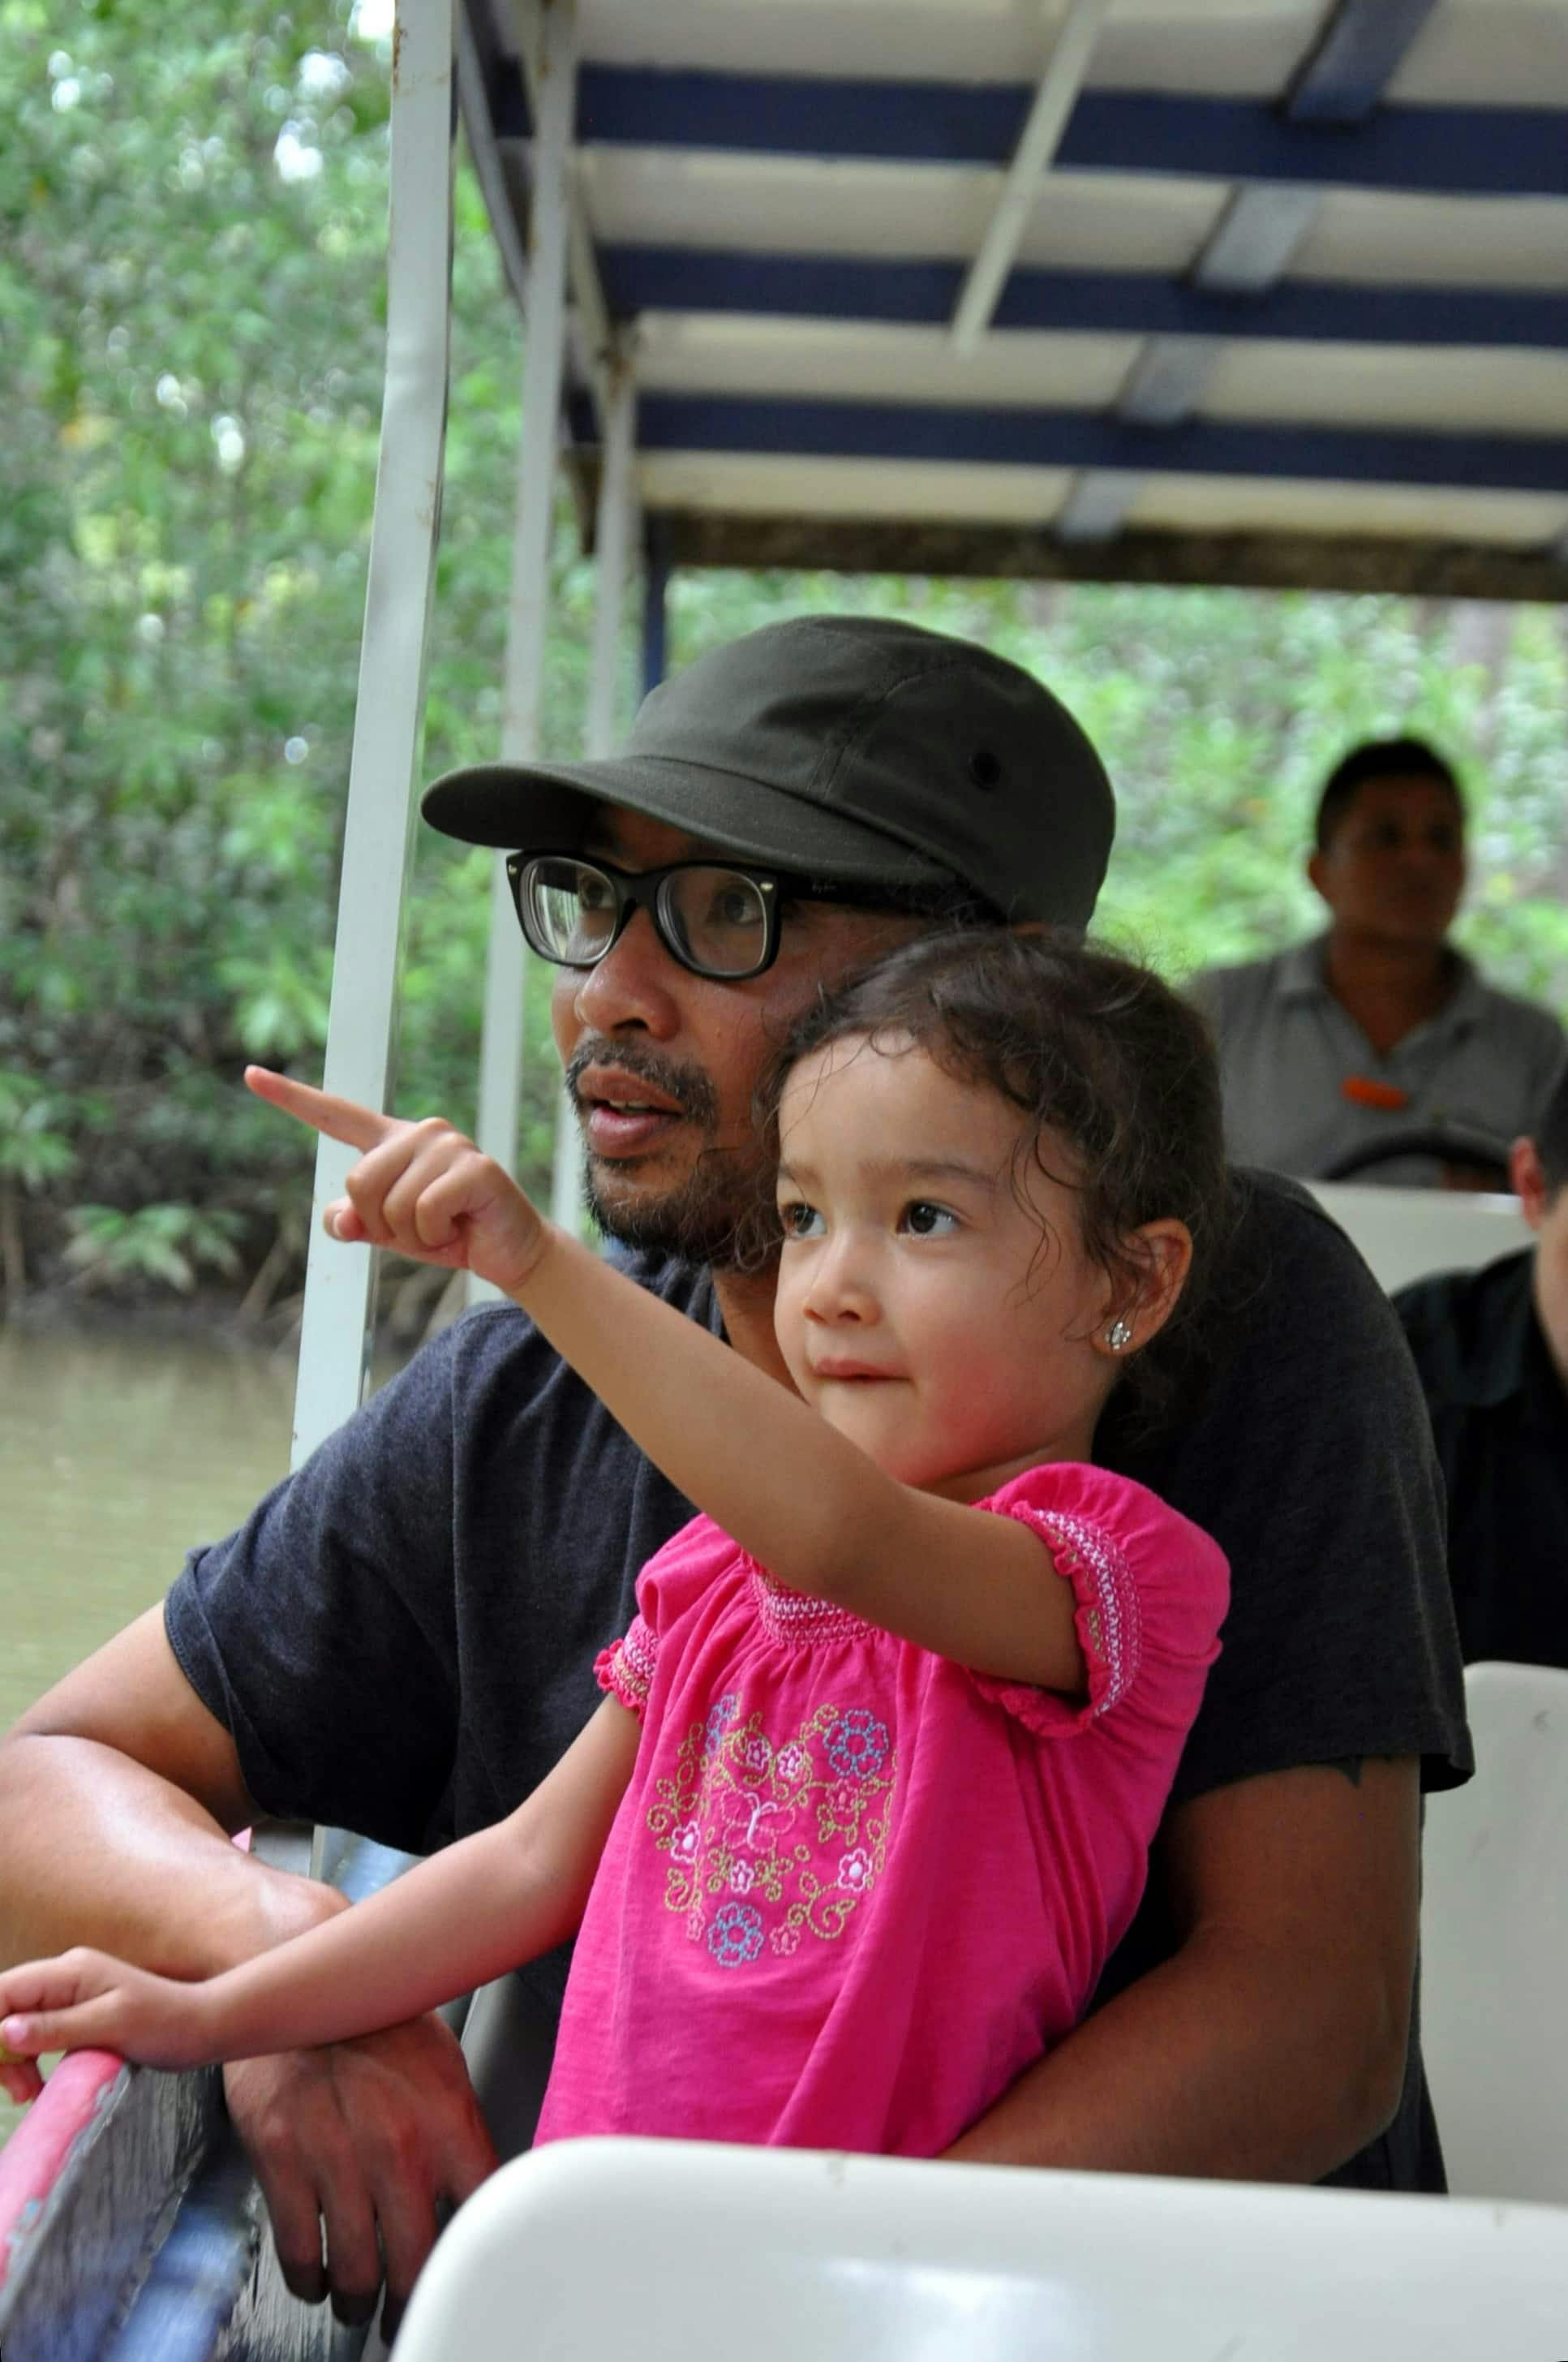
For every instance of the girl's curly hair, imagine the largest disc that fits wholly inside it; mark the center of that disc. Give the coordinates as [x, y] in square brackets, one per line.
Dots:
[1096, 1052]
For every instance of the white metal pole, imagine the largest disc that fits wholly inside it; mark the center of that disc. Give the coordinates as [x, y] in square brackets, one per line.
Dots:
[612, 551]
[554, 103]
[339, 1308]
[612, 548]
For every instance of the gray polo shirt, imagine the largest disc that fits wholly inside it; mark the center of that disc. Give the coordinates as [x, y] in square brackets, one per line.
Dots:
[1299, 1074]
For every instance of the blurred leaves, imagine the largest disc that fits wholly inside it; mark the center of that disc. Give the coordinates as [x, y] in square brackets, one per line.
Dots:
[167, 1245]
[192, 214]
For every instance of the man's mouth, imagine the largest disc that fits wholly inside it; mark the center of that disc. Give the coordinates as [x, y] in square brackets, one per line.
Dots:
[621, 1115]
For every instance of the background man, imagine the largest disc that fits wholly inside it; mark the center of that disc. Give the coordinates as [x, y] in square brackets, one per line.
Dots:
[1492, 1349]
[401, 1637]
[1378, 1028]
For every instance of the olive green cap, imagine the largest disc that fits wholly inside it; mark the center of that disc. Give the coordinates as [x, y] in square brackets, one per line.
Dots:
[841, 746]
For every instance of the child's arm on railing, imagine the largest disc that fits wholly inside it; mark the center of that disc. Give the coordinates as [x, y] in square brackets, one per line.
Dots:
[800, 1497]
[465, 1915]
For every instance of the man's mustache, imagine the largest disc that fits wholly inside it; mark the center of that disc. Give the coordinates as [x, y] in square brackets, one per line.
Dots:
[689, 1087]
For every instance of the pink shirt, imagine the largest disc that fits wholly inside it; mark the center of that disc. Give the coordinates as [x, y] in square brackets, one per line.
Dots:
[854, 1889]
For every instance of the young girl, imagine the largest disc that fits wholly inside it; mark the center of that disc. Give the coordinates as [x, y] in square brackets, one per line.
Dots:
[870, 1795]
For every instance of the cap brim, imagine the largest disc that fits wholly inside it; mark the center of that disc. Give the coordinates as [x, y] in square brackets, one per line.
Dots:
[514, 807]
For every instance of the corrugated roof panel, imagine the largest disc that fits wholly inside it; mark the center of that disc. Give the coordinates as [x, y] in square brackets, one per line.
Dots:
[1443, 389]
[790, 487]
[1471, 52]
[1487, 53]
[850, 488]
[1242, 47]
[854, 361]
[770, 205]
[1433, 241]
[1239, 301]
[1274, 504]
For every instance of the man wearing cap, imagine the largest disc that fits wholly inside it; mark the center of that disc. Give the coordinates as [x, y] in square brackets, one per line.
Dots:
[401, 1637]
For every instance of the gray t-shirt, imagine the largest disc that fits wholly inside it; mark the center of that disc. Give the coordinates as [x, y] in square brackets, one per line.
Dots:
[1303, 1086]
[401, 1637]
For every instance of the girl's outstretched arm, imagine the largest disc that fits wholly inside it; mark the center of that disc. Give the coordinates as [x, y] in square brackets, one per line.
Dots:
[814, 1510]
[454, 1922]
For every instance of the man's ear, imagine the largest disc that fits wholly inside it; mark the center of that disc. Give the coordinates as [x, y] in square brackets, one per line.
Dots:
[1529, 1180]
[1163, 1250]
[1315, 872]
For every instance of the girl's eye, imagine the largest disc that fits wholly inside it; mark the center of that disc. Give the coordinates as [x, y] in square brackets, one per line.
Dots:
[800, 1221]
[927, 1220]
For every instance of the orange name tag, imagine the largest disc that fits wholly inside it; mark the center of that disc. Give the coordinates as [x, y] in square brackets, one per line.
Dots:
[1365, 1090]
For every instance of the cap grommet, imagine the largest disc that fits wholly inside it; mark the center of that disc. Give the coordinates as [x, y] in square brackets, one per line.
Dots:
[984, 768]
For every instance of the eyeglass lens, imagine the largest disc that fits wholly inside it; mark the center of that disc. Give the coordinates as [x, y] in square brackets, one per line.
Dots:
[714, 920]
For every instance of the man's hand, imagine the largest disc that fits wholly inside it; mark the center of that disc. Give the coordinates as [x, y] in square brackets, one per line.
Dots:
[375, 2141]
[420, 1189]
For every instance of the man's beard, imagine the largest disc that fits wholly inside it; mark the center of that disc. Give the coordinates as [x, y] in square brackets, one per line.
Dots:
[723, 1214]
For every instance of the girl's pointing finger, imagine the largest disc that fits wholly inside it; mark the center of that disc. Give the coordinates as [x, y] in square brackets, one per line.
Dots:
[357, 1126]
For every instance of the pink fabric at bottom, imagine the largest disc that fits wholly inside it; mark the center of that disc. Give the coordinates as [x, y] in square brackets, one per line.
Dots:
[853, 1890]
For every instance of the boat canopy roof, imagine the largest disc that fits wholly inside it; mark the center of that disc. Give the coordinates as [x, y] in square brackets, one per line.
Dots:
[1271, 291]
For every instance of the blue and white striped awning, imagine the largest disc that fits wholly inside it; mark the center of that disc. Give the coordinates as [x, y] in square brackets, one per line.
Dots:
[1247, 290]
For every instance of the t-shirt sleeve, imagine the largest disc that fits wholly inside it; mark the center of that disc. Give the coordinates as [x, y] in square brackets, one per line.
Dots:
[1149, 1591]
[329, 1600]
[626, 1671]
[673, 1581]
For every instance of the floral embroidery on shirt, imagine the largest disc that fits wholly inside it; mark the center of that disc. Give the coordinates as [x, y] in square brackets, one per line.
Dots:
[800, 1827]
[857, 1743]
[720, 1716]
[734, 1935]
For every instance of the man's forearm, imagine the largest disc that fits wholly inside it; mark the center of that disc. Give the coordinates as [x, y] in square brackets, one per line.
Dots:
[100, 1851]
[1218, 2063]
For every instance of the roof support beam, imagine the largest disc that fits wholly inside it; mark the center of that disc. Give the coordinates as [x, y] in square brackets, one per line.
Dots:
[1340, 82]
[1058, 88]
[1265, 561]
[1361, 47]
[1255, 240]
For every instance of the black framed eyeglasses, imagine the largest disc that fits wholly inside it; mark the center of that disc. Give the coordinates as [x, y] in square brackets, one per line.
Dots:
[715, 919]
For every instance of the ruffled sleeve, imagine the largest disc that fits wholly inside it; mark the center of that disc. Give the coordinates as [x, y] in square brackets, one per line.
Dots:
[626, 1669]
[1150, 1590]
[674, 1580]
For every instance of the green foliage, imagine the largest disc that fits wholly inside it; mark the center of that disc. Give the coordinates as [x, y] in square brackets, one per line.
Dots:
[191, 250]
[168, 1244]
[35, 1145]
[192, 328]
